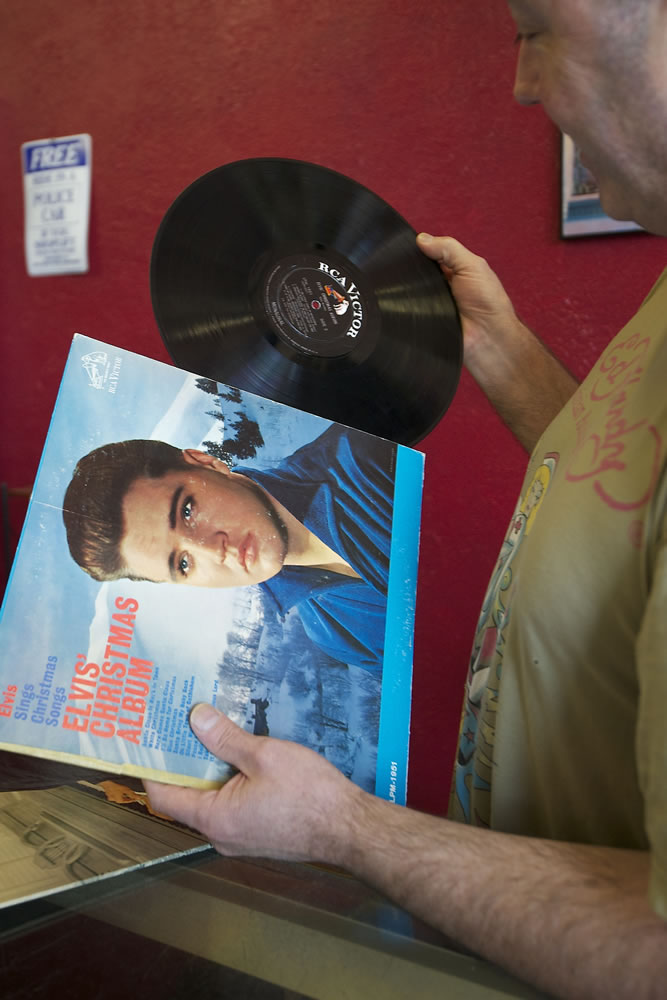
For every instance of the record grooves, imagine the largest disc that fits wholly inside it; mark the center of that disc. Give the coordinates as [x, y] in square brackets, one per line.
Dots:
[294, 282]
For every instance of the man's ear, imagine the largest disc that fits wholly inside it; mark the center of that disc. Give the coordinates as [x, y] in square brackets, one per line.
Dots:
[195, 457]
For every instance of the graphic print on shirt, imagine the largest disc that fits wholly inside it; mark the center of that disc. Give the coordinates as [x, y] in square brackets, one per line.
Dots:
[612, 432]
[478, 725]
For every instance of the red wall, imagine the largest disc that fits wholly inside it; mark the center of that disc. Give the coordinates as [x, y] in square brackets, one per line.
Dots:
[411, 99]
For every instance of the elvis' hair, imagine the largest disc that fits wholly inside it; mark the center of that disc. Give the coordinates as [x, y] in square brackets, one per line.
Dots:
[93, 503]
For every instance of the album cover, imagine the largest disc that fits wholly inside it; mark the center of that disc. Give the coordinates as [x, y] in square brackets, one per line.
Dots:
[187, 541]
[53, 839]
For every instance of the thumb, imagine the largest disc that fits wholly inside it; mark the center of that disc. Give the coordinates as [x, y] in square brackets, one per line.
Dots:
[222, 736]
[447, 251]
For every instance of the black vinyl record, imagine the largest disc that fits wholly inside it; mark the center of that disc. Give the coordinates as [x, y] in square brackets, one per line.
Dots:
[294, 282]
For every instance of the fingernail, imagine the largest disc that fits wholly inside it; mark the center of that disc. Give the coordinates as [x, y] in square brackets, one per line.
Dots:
[425, 237]
[203, 716]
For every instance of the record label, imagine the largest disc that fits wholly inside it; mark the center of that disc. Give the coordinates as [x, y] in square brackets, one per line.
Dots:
[318, 306]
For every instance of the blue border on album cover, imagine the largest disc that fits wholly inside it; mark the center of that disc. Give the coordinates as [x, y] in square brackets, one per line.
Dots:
[394, 735]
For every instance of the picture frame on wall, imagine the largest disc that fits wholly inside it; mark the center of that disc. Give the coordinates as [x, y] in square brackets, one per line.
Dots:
[581, 210]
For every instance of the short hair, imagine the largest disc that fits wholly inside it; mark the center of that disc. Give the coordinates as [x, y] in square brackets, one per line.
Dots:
[93, 503]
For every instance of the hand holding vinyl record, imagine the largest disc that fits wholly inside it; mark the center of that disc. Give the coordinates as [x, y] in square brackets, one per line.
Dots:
[484, 306]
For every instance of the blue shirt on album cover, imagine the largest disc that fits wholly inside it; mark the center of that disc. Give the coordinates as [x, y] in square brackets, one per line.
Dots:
[341, 487]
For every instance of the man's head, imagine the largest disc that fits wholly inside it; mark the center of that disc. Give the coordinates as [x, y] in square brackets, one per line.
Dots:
[148, 511]
[599, 69]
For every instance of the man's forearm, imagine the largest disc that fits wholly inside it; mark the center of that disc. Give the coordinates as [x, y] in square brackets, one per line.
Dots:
[524, 382]
[573, 920]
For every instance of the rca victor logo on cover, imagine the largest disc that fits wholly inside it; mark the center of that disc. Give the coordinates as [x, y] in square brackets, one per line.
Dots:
[101, 373]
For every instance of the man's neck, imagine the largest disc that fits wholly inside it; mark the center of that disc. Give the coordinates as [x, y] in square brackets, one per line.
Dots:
[305, 548]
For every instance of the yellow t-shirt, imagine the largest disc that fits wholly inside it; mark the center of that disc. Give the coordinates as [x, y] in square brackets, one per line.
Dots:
[564, 729]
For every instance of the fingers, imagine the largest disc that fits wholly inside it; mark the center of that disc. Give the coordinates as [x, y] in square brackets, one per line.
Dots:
[182, 804]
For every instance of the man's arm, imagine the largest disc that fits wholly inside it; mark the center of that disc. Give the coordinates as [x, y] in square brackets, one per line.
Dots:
[570, 919]
[523, 381]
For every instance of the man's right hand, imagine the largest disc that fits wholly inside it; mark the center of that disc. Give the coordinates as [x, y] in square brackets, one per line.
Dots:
[523, 381]
[486, 311]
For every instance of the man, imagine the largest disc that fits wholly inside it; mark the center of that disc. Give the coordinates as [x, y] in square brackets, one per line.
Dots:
[314, 532]
[563, 744]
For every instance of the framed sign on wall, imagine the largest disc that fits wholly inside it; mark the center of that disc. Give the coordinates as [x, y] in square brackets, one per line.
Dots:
[581, 211]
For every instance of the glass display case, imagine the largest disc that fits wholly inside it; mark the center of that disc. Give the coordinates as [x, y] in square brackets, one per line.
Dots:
[206, 926]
